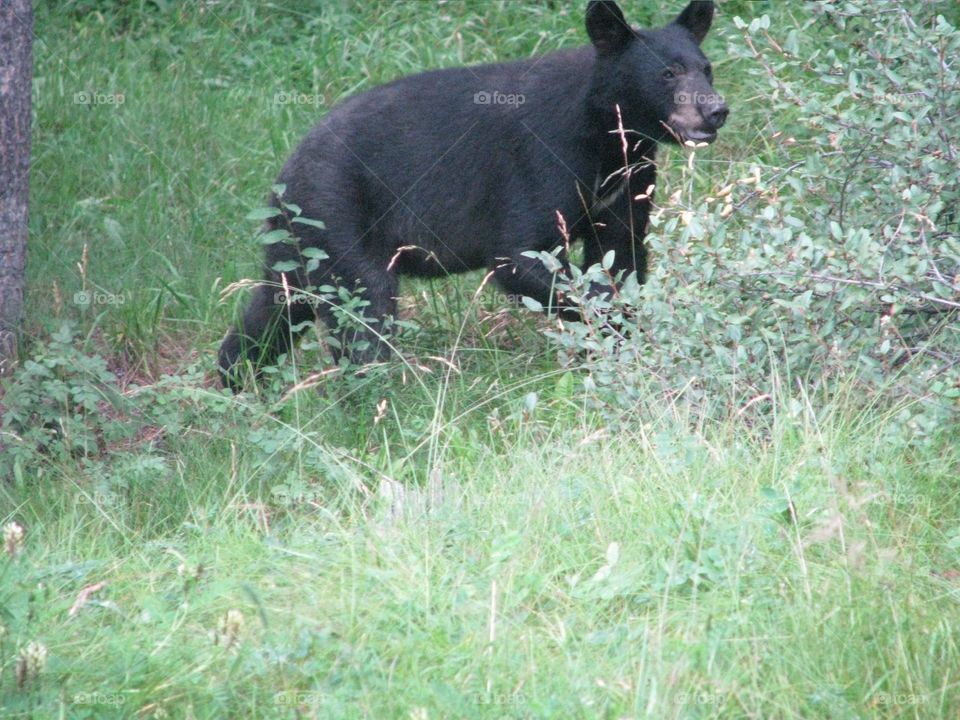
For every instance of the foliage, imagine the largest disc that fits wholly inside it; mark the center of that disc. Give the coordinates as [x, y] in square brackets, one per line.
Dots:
[66, 406]
[844, 263]
[60, 405]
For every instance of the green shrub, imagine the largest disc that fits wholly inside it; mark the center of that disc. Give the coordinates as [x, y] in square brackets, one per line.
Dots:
[840, 259]
[61, 403]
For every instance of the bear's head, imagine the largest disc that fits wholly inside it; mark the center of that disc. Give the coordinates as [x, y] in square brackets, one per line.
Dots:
[660, 79]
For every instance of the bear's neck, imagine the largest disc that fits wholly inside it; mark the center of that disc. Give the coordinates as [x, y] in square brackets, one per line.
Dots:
[613, 146]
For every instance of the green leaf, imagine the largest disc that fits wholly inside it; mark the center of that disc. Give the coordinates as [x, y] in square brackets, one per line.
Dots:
[532, 304]
[274, 236]
[309, 221]
[263, 213]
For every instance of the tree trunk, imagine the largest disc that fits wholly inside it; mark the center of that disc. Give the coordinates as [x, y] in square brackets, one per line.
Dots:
[16, 73]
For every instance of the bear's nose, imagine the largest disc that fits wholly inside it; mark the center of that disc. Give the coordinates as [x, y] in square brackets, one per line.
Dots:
[717, 116]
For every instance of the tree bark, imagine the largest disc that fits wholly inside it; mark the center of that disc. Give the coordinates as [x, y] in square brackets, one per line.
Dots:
[16, 74]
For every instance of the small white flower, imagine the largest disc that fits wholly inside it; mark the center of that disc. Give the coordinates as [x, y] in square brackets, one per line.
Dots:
[13, 538]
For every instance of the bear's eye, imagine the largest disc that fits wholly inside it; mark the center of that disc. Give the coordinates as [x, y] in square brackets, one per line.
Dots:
[708, 71]
[669, 74]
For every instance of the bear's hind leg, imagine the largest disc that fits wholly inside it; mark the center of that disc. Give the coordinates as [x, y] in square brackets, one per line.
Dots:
[264, 333]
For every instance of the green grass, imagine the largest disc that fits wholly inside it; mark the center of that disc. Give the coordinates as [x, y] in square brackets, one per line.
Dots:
[460, 536]
[549, 569]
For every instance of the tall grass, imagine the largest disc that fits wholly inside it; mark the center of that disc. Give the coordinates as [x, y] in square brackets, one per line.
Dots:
[690, 567]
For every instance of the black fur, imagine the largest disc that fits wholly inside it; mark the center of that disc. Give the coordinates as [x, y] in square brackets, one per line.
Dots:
[465, 168]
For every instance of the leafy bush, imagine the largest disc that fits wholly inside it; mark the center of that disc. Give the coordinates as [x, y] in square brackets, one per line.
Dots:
[65, 404]
[60, 404]
[65, 413]
[841, 260]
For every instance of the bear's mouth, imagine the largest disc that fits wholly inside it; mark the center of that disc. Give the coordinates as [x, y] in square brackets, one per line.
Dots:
[683, 133]
[699, 136]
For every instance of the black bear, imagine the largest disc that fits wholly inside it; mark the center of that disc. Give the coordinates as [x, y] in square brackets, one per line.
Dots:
[466, 168]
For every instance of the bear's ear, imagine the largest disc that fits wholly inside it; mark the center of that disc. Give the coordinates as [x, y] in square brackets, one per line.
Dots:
[696, 18]
[606, 26]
